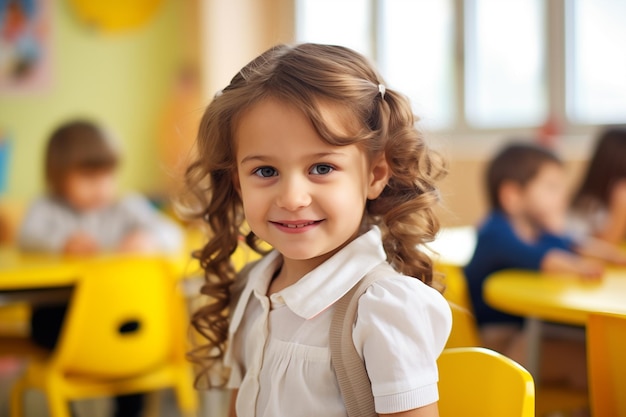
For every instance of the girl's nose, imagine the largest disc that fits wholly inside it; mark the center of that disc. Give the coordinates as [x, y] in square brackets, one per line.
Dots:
[293, 195]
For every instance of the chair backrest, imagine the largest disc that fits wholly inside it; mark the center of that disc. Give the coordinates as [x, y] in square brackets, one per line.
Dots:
[121, 319]
[456, 291]
[478, 382]
[464, 328]
[606, 344]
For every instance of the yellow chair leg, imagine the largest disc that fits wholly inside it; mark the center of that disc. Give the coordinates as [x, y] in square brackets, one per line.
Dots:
[186, 395]
[17, 398]
[57, 404]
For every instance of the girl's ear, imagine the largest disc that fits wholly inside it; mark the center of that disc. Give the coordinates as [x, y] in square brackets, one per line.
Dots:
[378, 176]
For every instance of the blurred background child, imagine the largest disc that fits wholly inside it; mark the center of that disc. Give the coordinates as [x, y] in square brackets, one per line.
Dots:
[599, 206]
[526, 187]
[82, 215]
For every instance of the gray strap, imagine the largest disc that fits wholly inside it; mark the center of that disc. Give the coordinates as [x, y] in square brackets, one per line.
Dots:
[354, 383]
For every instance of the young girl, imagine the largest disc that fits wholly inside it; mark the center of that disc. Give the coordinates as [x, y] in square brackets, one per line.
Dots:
[81, 215]
[308, 147]
[599, 206]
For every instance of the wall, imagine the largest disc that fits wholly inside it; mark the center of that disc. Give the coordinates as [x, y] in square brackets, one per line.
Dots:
[236, 31]
[121, 80]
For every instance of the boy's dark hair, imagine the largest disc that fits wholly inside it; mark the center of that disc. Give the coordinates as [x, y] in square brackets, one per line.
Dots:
[77, 145]
[519, 163]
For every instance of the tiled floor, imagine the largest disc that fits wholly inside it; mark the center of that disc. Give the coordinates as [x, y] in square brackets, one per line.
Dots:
[212, 403]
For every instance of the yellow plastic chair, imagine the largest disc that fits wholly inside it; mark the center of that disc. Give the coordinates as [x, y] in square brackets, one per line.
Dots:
[15, 320]
[464, 329]
[456, 291]
[606, 344]
[478, 382]
[124, 333]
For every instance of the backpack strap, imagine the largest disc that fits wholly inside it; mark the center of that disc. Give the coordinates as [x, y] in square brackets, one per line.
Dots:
[354, 383]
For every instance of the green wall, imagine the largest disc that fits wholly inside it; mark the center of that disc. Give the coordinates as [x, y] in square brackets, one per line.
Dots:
[121, 80]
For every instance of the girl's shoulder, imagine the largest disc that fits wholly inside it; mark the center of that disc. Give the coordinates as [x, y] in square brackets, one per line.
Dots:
[397, 310]
[394, 291]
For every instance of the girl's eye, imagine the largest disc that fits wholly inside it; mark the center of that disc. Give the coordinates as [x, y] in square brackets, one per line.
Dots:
[265, 172]
[321, 169]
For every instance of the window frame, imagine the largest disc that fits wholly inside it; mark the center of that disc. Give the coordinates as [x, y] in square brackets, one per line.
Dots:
[555, 59]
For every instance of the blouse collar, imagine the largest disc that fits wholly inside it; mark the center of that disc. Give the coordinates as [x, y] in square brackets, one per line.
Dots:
[323, 286]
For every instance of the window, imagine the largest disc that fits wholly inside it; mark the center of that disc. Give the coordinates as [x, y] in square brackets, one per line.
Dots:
[504, 64]
[414, 49]
[415, 55]
[596, 77]
[472, 65]
[324, 21]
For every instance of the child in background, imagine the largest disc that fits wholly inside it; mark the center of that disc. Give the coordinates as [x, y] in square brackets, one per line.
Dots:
[81, 215]
[325, 164]
[526, 187]
[599, 207]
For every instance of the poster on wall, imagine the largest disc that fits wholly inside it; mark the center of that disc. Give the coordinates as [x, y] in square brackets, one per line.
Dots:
[25, 31]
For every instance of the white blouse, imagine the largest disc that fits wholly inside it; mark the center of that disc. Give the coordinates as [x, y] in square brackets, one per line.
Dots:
[279, 351]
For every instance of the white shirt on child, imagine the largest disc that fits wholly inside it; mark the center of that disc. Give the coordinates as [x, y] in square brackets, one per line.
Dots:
[50, 222]
[279, 351]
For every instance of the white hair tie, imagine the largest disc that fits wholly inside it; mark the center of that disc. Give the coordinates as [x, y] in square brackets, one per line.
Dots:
[382, 90]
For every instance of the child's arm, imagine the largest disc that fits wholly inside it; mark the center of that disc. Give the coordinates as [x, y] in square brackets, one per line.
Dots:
[430, 410]
[560, 261]
[152, 227]
[81, 244]
[138, 241]
[603, 250]
[47, 227]
[615, 227]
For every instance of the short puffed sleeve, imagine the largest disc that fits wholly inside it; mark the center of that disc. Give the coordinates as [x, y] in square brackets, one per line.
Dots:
[401, 329]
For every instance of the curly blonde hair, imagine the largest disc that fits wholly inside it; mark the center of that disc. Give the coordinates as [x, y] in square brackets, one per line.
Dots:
[305, 76]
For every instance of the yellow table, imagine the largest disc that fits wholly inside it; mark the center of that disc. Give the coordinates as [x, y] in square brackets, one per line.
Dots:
[19, 271]
[554, 297]
[26, 271]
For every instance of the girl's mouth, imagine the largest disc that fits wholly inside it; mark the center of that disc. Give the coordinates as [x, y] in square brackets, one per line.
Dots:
[297, 225]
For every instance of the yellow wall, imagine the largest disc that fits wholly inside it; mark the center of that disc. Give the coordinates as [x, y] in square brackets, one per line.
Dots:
[122, 80]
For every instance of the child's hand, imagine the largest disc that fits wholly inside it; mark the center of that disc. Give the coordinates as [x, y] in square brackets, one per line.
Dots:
[138, 242]
[81, 244]
[620, 258]
[589, 269]
[559, 261]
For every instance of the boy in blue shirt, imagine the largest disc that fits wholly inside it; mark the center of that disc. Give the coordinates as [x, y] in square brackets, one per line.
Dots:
[526, 187]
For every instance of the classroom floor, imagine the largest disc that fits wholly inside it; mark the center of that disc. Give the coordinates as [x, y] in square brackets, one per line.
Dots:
[212, 404]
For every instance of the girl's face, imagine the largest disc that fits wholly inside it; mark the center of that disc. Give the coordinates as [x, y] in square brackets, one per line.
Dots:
[301, 195]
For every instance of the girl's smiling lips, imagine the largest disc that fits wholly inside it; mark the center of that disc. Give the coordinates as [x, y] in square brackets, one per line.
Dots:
[295, 226]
